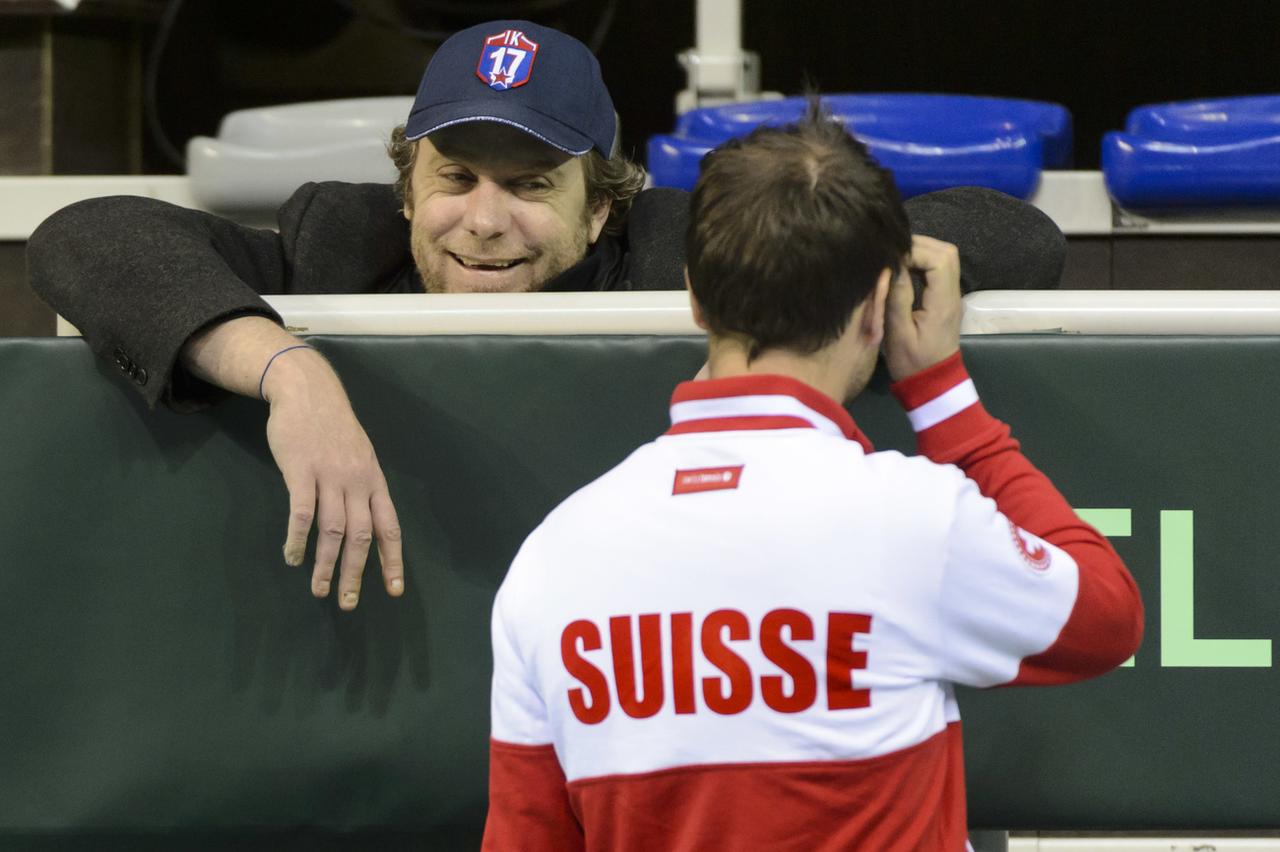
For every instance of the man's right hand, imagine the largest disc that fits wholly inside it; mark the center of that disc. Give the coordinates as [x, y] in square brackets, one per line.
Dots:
[333, 478]
[325, 456]
[915, 340]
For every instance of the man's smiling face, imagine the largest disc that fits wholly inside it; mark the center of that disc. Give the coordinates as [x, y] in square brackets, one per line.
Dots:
[494, 210]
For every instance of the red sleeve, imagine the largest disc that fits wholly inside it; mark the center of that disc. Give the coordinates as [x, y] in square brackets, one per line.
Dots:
[1105, 625]
[528, 803]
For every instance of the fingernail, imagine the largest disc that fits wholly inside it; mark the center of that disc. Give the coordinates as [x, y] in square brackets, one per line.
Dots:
[350, 598]
[322, 589]
[397, 586]
[293, 555]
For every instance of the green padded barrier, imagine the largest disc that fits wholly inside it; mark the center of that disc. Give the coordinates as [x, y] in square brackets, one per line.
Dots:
[170, 683]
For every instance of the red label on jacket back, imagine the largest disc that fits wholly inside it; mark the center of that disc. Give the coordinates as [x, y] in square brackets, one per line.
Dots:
[706, 479]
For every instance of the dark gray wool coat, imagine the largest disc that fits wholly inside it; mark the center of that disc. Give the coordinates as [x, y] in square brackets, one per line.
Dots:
[139, 277]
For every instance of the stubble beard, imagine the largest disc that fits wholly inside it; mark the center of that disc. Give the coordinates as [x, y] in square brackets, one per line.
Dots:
[431, 261]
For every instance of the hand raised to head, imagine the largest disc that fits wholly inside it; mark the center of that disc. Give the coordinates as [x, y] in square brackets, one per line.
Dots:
[916, 339]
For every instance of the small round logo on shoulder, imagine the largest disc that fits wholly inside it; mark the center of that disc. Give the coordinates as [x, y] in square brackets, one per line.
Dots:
[1032, 550]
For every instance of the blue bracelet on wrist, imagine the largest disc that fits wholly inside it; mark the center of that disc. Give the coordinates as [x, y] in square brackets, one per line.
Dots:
[272, 360]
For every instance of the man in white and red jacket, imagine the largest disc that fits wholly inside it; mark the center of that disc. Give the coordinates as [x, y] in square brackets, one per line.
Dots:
[758, 652]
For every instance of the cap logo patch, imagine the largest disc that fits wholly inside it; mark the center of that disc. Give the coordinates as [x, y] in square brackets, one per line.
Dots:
[506, 60]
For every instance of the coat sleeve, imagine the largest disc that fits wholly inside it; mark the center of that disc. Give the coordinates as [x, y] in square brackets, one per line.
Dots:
[1004, 242]
[139, 277]
[655, 239]
[1031, 593]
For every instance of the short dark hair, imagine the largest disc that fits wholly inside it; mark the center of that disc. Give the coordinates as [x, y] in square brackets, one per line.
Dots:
[616, 180]
[790, 229]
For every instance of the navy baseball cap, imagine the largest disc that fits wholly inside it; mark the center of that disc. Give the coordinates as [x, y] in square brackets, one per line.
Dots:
[518, 73]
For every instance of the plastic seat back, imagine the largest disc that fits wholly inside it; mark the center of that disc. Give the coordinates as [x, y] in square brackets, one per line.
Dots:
[1196, 154]
[929, 141]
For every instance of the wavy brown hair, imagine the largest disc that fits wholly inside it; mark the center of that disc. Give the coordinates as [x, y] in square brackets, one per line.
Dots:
[616, 181]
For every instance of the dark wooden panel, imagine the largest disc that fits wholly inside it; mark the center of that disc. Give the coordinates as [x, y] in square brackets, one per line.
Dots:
[1088, 265]
[25, 144]
[1196, 263]
[22, 314]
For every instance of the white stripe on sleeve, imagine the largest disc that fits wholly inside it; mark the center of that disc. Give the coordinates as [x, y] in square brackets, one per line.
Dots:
[941, 407]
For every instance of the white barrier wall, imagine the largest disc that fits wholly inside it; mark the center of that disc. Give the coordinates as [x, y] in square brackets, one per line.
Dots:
[990, 312]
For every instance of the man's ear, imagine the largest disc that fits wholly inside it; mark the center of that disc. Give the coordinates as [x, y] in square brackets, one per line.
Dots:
[406, 206]
[873, 316]
[599, 215]
[698, 319]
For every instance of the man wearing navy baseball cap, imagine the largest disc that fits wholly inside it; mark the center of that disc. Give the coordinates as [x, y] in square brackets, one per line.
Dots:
[509, 165]
[510, 179]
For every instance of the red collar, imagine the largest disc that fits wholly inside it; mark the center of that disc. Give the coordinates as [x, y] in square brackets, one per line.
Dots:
[758, 402]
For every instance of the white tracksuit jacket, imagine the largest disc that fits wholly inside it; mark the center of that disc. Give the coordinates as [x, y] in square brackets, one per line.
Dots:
[745, 635]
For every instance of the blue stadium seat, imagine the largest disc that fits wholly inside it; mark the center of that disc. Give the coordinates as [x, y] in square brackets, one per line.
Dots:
[929, 141]
[1222, 153]
[1227, 119]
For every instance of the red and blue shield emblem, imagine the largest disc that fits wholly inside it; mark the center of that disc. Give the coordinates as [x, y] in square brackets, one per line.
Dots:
[506, 60]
